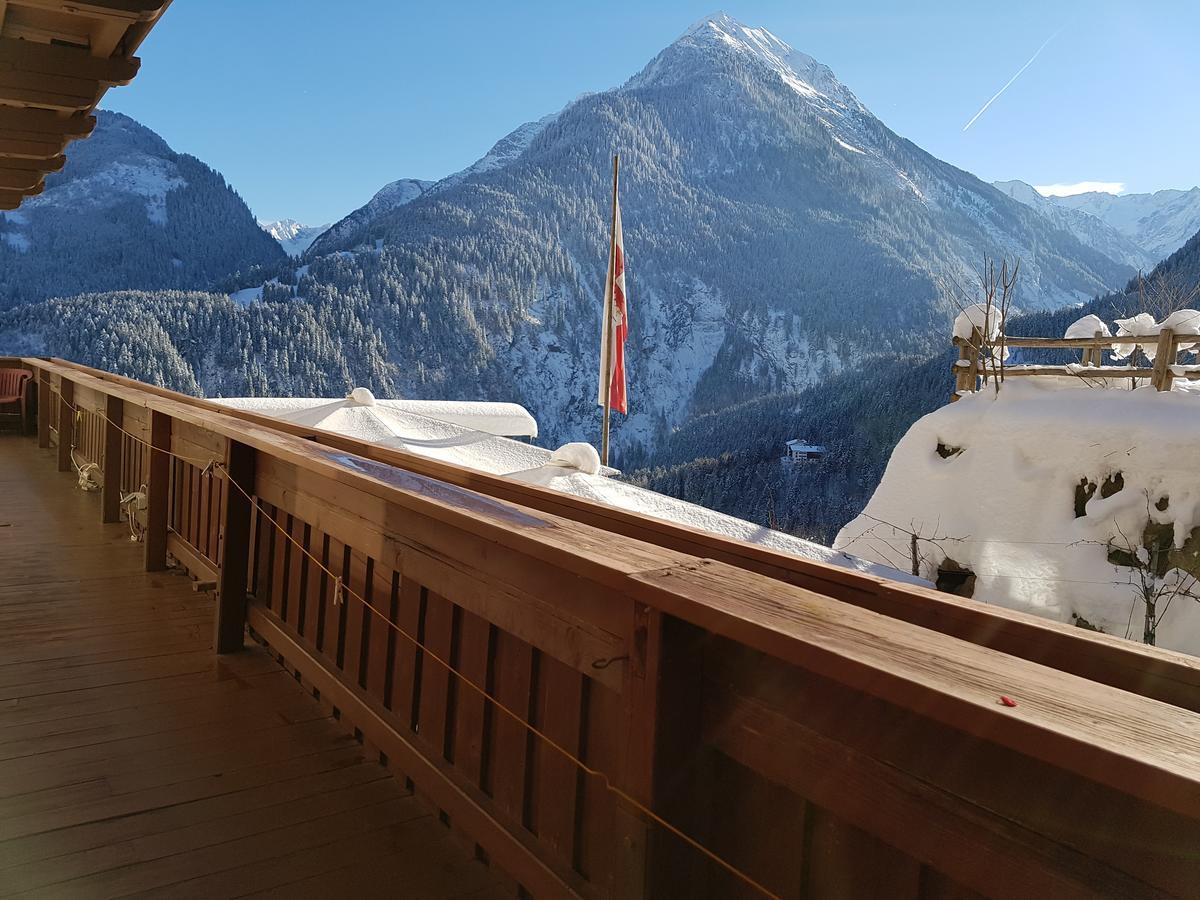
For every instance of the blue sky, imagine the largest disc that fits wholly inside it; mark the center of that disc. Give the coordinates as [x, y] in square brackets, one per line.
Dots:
[308, 111]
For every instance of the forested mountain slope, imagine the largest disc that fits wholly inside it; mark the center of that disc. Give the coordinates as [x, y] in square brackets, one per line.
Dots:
[127, 212]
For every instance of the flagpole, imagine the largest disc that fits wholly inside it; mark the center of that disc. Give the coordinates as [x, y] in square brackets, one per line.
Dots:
[610, 289]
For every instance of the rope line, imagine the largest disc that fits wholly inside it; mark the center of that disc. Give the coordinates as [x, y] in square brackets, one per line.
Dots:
[342, 590]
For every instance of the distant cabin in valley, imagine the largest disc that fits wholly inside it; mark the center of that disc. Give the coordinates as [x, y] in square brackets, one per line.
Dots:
[799, 451]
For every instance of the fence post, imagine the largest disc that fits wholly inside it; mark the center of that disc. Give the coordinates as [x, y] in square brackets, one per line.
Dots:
[968, 352]
[158, 492]
[110, 493]
[43, 417]
[1164, 358]
[664, 759]
[234, 551]
[66, 423]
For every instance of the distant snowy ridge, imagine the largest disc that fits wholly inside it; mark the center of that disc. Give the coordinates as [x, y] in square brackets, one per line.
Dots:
[1087, 227]
[1158, 224]
[293, 237]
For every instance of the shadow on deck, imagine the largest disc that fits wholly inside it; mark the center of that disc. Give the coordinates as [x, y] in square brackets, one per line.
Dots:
[134, 759]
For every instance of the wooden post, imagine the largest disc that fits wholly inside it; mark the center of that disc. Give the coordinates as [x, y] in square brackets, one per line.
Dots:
[235, 549]
[964, 376]
[1164, 358]
[43, 417]
[665, 765]
[158, 492]
[66, 423]
[110, 493]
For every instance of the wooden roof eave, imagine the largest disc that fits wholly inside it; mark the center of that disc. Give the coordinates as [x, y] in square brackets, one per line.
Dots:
[57, 59]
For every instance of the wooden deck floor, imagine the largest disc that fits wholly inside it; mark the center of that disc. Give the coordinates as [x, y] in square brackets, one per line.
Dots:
[133, 761]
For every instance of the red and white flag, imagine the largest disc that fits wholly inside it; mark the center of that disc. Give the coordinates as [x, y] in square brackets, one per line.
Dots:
[616, 330]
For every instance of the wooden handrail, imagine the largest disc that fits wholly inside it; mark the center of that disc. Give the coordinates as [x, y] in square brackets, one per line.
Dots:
[1162, 675]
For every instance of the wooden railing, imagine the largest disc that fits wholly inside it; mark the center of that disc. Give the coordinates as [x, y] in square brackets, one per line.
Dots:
[498, 654]
[973, 366]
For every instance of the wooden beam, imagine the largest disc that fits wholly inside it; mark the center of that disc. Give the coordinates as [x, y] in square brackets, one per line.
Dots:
[230, 625]
[41, 121]
[20, 180]
[22, 148]
[110, 491]
[66, 423]
[71, 62]
[133, 10]
[48, 91]
[21, 164]
[158, 492]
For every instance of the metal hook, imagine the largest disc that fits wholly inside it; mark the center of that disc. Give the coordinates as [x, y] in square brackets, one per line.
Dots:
[605, 662]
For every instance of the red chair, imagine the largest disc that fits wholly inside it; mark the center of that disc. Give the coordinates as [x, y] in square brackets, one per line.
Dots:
[12, 390]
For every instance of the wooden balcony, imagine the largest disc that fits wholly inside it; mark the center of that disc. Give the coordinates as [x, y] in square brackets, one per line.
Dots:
[415, 680]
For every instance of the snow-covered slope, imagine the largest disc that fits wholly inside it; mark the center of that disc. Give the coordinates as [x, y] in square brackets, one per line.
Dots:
[1160, 223]
[1059, 497]
[1091, 231]
[127, 211]
[293, 237]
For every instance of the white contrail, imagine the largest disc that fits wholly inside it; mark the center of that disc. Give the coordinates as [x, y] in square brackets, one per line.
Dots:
[1011, 80]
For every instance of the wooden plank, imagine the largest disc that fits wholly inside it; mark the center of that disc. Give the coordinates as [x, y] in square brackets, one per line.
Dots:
[357, 618]
[471, 707]
[558, 779]
[199, 567]
[230, 624]
[760, 827]
[844, 862]
[436, 700]
[50, 59]
[43, 121]
[507, 769]
[385, 588]
[410, 613]
[158, 494]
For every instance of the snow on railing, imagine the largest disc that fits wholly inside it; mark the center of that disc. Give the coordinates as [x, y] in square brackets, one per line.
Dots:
[983, 357]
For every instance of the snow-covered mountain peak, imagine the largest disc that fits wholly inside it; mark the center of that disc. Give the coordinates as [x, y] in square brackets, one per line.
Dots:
[721, 33]
[292, 236]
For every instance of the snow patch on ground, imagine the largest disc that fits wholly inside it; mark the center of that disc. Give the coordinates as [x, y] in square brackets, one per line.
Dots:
[1005, 506]
[246, 296]
[147, 177]
[18, 241]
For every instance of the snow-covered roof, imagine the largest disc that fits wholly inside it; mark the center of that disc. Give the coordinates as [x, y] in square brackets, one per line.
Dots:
[804, 446]
[1006, 506]
[570, 469]
[502, 419]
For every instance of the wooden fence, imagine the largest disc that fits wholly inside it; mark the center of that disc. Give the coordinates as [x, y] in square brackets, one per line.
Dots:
[975, 366]
[499, 654]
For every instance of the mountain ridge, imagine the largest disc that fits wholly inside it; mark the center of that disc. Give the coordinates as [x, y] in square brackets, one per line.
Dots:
[127, 211]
